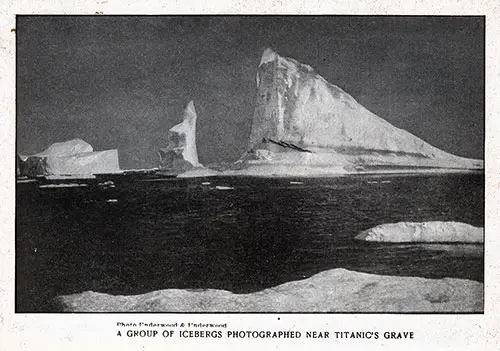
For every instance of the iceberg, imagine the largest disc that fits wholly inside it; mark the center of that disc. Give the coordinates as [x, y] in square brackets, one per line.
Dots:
[302, 121]
[223, 187]
[73, 157]
[181, 154]
[68, 185]
[424, 232]
[70, 147]
[336, 290]
[85, 163]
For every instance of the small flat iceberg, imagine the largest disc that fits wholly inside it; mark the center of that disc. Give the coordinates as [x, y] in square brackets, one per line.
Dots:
[68, 185]
[25, 181]
[423, 232]
[221, 187]
[69, 176]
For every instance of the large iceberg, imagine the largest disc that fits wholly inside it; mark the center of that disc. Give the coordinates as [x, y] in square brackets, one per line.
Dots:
[336, 290]
[424, 232]
[181, 154]
[72, 157]
[302, 121]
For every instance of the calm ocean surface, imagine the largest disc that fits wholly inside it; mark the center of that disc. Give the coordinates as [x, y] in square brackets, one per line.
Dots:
[254, 234]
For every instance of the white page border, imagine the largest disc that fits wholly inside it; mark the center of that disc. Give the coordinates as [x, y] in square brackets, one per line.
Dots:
[98, 331]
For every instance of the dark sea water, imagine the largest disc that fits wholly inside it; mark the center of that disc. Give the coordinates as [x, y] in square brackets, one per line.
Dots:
[179, 233]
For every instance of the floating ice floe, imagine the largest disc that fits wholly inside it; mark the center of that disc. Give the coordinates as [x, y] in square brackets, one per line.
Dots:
[423, 232]
[25, 180]
[68, 185]
[221, 187]
[69, 176]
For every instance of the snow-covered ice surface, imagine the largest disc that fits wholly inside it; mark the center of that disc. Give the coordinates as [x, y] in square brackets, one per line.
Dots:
[424, 232]
[336, 290]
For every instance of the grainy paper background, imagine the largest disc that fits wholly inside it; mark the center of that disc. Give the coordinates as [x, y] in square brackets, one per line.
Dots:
[98, 332]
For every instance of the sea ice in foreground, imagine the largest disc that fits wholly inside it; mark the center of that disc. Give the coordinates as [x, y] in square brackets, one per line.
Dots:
[336, 290]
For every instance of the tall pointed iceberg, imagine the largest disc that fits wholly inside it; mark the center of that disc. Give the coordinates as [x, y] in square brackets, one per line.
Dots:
[304, 120]
[181, 153]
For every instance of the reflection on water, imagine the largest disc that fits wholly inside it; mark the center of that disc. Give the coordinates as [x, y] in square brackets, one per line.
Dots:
[457, 250]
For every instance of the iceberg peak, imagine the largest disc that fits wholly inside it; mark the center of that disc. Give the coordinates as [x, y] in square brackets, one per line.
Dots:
[268, 56]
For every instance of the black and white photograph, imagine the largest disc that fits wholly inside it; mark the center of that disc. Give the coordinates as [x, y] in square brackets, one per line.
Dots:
[250, 164]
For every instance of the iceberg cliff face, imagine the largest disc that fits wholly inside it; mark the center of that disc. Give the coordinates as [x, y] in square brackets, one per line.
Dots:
[69, 158]
[305, 120]
[181, 153]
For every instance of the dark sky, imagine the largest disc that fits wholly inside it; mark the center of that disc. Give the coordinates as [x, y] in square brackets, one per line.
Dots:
[122, 82]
